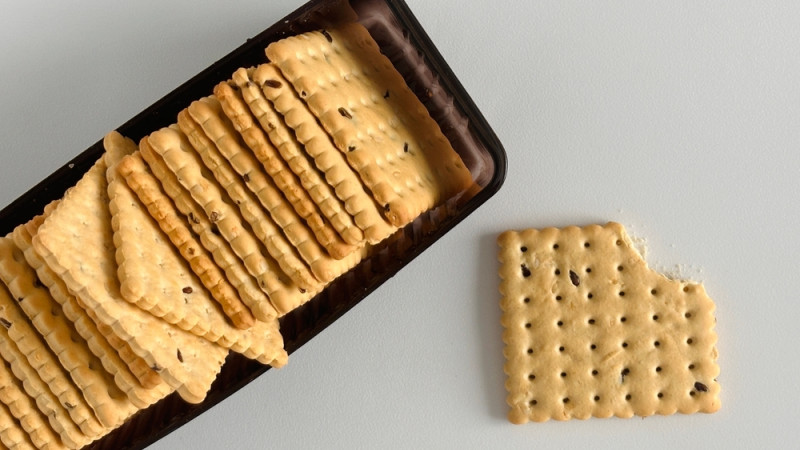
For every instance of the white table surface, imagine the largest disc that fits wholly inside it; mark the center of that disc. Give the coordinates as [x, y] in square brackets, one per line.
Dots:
[679, 119]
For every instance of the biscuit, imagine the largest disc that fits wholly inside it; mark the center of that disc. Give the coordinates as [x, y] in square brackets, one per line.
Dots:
[248, 110]
[317, 216]
[19, 411]
[131, 373]
[338, 233]
[282, 293]
[155, 277]
[252, 290]
[104, 343]
[208, 114]
[79, 230]
[66, 412]
[317, 144]
[86, 321]
[386, 133]
[148, 190]
[12, 436]
[110, 405]
[189, 166]
[590, 330]
[178, 155]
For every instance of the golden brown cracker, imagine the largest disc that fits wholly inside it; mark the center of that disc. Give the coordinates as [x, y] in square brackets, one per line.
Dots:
[110, 405]
[177, 153]
[338, 227]
[386, 133]
[338, 234]
[252, 290]
[189, 167]
[88, 325]
[590, 330]
[79, 231]
[23, 412]
[104, 342]
[154, 276]
[147, 188]
[66, 412]
[131, 373]
[46, 363]
[282, 293]
[12, 435]
[207, 113]
[268, 83]
[270, 158]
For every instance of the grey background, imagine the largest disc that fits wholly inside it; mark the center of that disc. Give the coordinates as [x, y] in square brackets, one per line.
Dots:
[678, 119]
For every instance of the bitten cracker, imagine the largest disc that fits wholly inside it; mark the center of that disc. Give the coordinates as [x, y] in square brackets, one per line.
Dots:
[79, 230]
[252, 291]
[244, 112]
[131, 373]
[386, 133]
[110, 405]
[282, 219]
[590, 330]
[267, 82]
[155, 277]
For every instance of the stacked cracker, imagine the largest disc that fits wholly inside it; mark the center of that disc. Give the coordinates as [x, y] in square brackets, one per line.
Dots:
[168, 254]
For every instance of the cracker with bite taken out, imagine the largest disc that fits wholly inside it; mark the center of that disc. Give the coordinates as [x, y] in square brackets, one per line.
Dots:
[590, 330]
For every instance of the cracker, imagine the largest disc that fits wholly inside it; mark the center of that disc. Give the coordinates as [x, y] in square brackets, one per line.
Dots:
[64, 416]
[148, 190]
[47, 364]
[178, 155]
[386, 133]
[131, 373]
[76, 242]
[272, 161]
[280, 290]
[23, 412]
[207, 113]
[190, 165]
[77, 312]
[590, 330]
[283, 294]
[155, 277]
[110, 405]
[338, 233]
[252, 291]
[339, 224]
[317, 144]
[12, 435]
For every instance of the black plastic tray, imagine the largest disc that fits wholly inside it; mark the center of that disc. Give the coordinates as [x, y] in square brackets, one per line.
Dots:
[404, 41]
